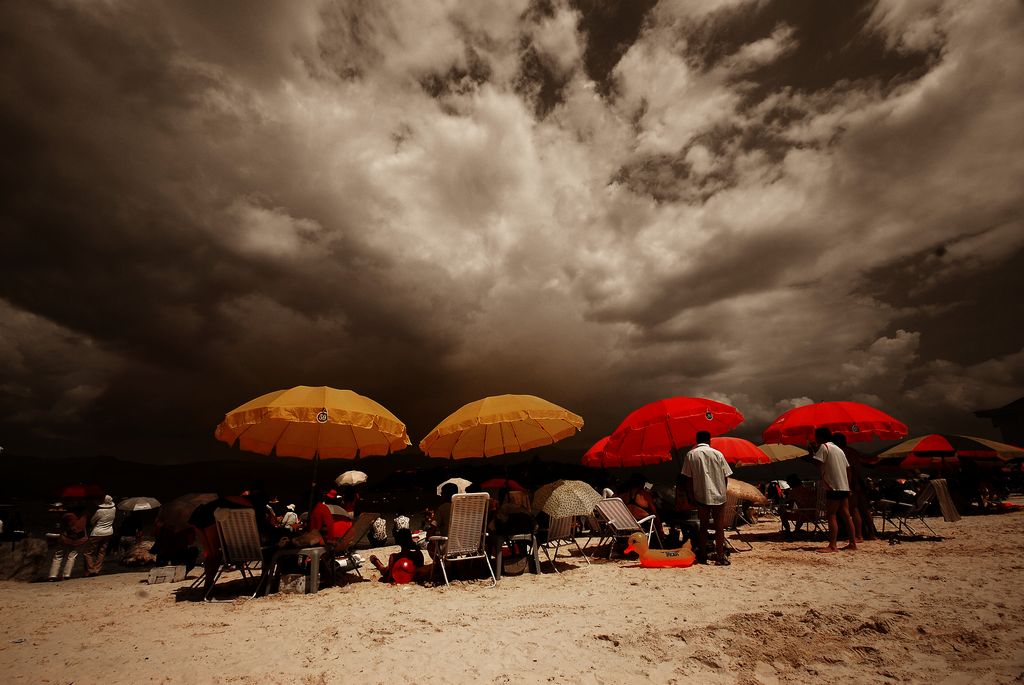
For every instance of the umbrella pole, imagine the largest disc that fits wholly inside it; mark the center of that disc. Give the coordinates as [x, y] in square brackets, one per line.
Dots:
[312, 485]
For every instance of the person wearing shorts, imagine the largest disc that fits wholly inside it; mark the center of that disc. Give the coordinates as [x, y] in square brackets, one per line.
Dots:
[835, 473]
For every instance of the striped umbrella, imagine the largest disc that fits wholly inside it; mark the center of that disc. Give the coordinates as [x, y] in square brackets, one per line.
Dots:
[939, 450]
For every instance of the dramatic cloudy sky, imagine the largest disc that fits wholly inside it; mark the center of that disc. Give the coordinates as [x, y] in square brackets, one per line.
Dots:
[600, 203]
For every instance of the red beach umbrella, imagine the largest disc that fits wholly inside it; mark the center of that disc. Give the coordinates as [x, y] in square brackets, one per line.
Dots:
[740, 452]
[81, 491]
[597, 457]
[501, 484]
[939, 450]
[661, 426]
[857, 421]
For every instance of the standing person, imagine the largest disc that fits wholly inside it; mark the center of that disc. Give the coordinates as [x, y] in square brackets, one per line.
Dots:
[835, 472]
[290, 518]
[72, 537]
[860, 506]
[709, 473]
[99, 537]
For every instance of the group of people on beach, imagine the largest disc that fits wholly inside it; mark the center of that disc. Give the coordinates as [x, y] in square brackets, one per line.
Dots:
[699, 506]
[82, 534]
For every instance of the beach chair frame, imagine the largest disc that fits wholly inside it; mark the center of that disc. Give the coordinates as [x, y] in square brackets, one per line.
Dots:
[240, 544]
[467, 534]
[898, 514]
[561, 531]
[619, 522]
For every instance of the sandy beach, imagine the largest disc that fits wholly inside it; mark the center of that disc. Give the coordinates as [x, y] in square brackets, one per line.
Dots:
[949, 611]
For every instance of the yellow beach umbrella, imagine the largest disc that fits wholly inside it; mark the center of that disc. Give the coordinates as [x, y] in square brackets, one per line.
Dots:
[500, 425]
[311, 422]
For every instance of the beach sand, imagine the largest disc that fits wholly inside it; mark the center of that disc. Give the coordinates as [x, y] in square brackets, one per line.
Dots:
[950, 611]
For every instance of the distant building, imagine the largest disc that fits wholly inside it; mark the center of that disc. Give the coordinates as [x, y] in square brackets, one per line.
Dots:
[1009, 420]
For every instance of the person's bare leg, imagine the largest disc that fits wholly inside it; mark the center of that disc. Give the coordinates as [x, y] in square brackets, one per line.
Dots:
[833, 526]
[211, 555]
[857, 532]
[844, 510]
[720, 535]
[703, 516]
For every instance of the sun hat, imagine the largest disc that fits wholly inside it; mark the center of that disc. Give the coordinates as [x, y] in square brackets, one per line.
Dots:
[108, 502]
[290, 507]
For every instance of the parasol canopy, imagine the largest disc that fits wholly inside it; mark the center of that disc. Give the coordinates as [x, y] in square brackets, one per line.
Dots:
[858, 422]
[460, 483]
[745, 491]
[138, 504]
[566, 498]
[658, 428]
[739, 452]
[939, 450]
[598, 457]
[502, 424]
[81, 491]
[175, 514]
[311, 422]
[501, 484]
[350, 478]
[776, 451]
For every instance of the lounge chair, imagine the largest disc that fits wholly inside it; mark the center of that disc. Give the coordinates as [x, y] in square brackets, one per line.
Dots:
[467, 532]
[619, 522]
[561, 531]
[899, 514]
[344, 556]
[807, 510]
[240, 544]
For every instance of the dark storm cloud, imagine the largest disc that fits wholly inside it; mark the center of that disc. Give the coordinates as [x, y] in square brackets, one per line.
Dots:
[600, 203]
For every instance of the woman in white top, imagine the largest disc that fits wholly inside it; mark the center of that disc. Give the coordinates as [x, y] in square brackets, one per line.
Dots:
[99, 537]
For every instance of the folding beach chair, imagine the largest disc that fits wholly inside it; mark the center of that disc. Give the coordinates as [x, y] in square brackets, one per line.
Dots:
[240, 544]
[731, 516]
[898, 514]
[592, 527]
[619, 522]
[811, 512]
[467, 533]
[561, 531]
[344, 555]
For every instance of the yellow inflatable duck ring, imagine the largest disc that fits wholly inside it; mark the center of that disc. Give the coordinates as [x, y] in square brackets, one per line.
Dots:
[660, 558]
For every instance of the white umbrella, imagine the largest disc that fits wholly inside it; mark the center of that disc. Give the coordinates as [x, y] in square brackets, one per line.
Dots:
[461, 483]
[138, 504]
[350, 478]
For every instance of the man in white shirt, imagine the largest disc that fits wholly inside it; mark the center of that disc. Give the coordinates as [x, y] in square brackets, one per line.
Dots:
[835, 472]
[709, 473]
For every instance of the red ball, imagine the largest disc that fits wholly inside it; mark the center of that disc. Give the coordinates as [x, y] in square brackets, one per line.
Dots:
[403, 571]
